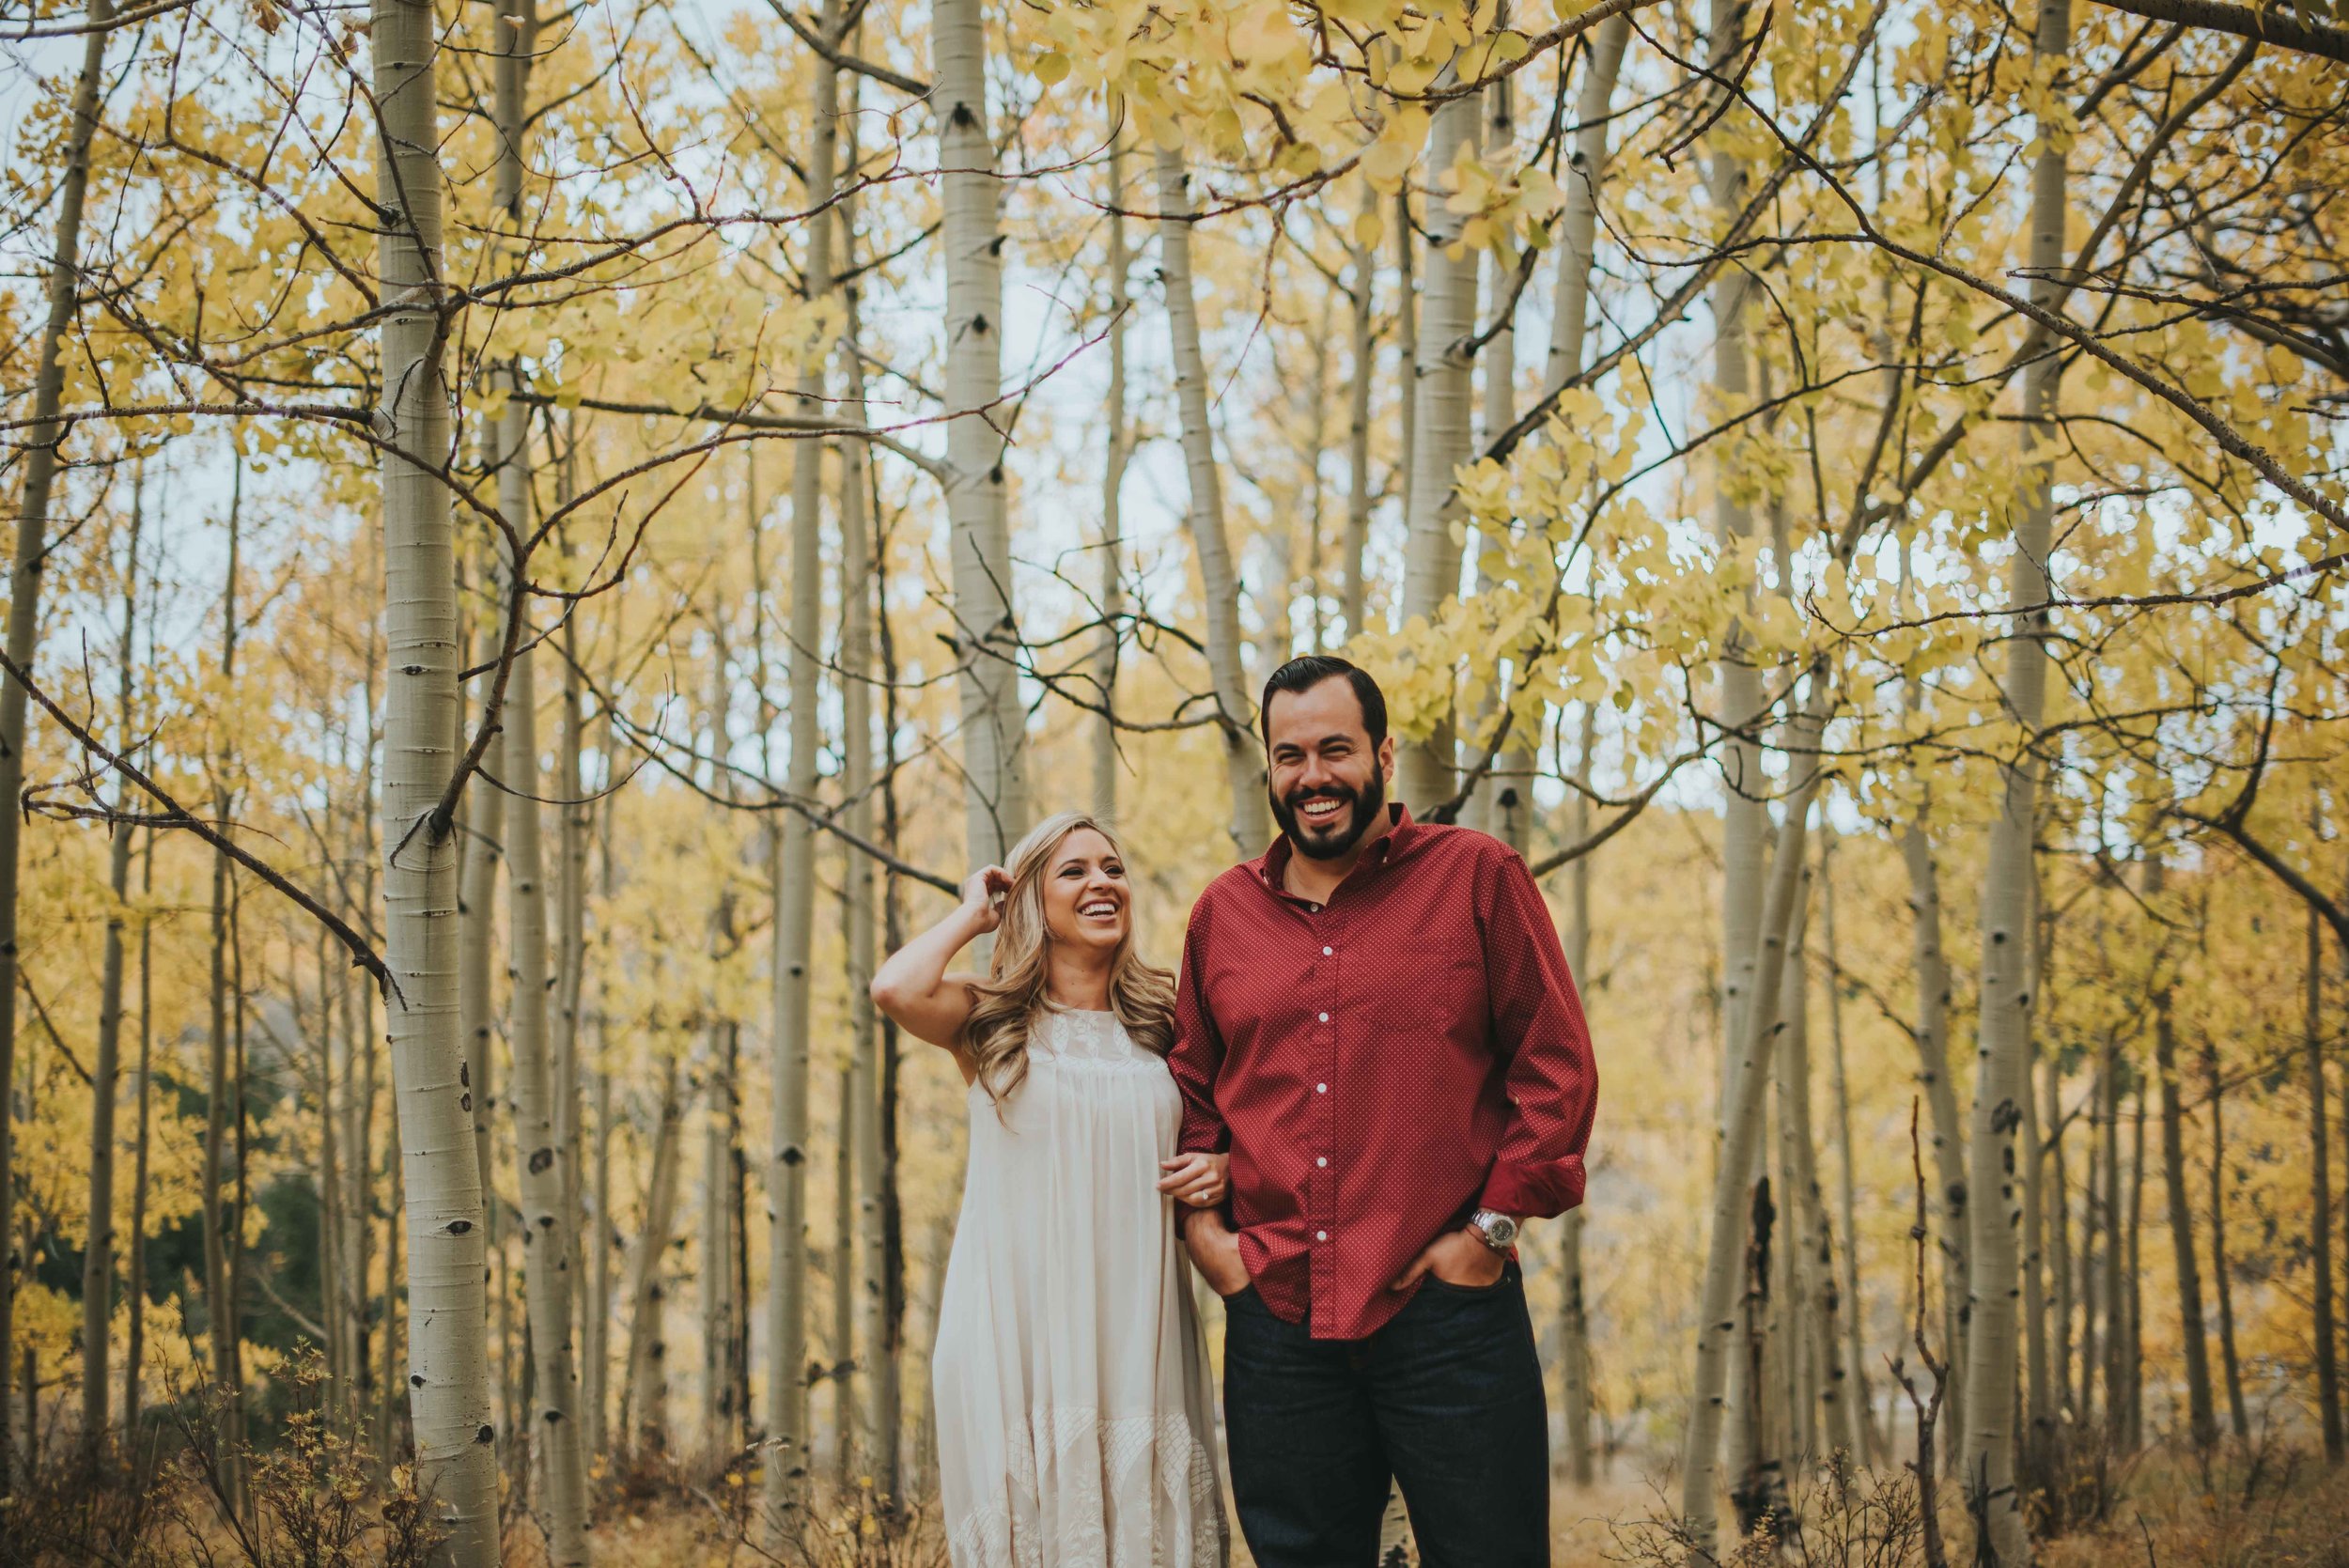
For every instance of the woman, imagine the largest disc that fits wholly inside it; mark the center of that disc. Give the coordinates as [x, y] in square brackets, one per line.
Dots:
[1076, 1427]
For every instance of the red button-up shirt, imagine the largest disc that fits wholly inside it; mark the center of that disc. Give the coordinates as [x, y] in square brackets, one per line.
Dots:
[1379, 1066]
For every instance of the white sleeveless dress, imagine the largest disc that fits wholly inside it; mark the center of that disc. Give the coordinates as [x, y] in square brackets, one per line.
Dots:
[1076, 1417]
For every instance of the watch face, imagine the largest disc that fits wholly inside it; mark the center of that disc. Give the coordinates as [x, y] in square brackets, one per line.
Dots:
[1499, 1229]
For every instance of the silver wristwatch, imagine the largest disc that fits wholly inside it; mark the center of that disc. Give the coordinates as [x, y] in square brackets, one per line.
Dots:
[1496, 1231]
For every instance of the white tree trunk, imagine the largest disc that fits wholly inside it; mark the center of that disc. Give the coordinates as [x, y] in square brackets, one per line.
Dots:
[570, 963]
[1354, 594]
[1870, 1449]
[549, 1246]
[1578, 221]
[98, 1252]
[879, 1418]
[1797, 1298]
[786, 1463]
[448, 1384]
[1120, 447]
[643, 1397]
[1243, 758]
[1931, 967]
[133, 1362]
[32, 557]
[1748, 1082]
[1745, 827]
[987, 630]
[1496, 802]
[483, 827]
[1574, 1325]
[594, 1387]
[543, 1161]
[1992, 1353]
[1427, 771]
[714, 1279]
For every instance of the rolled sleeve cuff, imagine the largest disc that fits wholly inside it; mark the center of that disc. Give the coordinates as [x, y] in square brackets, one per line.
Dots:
[1203, 1134]
[1541, 1192]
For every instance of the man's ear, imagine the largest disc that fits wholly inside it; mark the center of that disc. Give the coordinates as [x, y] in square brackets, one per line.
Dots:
[1386, 759]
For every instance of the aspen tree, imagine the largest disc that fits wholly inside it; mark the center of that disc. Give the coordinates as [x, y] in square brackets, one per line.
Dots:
[1931, 965]
[1577, 231]
[879, 1416]
[644, 1417]
[1362, 275]
[1243, 757]
[1747, 1082]
[2056, 1192]
[1498, 804]
[330, 1185]
[570, 905]
[1405, 343]
[2329, 1402]
[594, 1387]
[1822, 1416]
[484, 827]
[1871, 1444]
[98, 1252]
[787, 1461]
[221, 1304]
[44, 434]
[1440, 429]
[1119, 449]
[2132, 1375]
[841, 1370]
[543, 1161]
[716, 1276]
[2039, 1412]
[455, 1463]
[1992, 1353]
[986, 629]
[2221, 1267]
[2201, 1413]
[134, 1274]
[2096, 1212]
[1745, 827]
[1574, 1326]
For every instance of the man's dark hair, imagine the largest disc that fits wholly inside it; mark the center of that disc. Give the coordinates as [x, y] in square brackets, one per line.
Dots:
[1302, 675]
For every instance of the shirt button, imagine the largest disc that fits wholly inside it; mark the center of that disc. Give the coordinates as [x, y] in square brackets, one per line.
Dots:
[1321, 1088]
[1325, 1018]
[1328, 952]
[1324, 1163]
[1314, 908]
[1321, 1235]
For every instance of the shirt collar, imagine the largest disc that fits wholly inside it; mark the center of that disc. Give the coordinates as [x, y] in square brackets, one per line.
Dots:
[1271, 867]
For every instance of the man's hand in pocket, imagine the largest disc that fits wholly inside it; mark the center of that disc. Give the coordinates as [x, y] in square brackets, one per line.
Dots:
[1456, 1258]
[1215, 1252]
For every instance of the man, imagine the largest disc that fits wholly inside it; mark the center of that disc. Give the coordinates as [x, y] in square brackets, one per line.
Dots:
[1375, 1020]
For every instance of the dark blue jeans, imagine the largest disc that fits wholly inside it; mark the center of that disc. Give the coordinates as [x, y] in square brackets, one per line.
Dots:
[1446, 1401]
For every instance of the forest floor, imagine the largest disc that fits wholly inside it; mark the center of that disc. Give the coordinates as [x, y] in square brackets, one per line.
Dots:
[2278, 1508]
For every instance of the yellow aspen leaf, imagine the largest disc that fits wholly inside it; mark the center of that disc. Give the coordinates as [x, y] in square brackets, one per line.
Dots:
[1409, 78]
[1387, 160]
[1052, 68]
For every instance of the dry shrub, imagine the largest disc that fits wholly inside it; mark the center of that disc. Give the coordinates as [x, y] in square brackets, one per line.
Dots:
[1840, 1517]
[79, 1511]
[307, 1502]
[2256, 1505]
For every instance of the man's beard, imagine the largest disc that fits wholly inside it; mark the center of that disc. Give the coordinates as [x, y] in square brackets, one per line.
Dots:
[1331, 843]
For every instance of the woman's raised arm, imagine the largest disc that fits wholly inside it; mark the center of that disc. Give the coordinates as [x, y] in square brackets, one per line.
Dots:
[914, 987]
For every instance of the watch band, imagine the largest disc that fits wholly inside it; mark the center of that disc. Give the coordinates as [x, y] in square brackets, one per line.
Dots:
[1494, 1229]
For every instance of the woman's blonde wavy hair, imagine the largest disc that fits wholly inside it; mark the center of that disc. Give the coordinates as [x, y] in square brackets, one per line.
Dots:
[1006, 1001]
